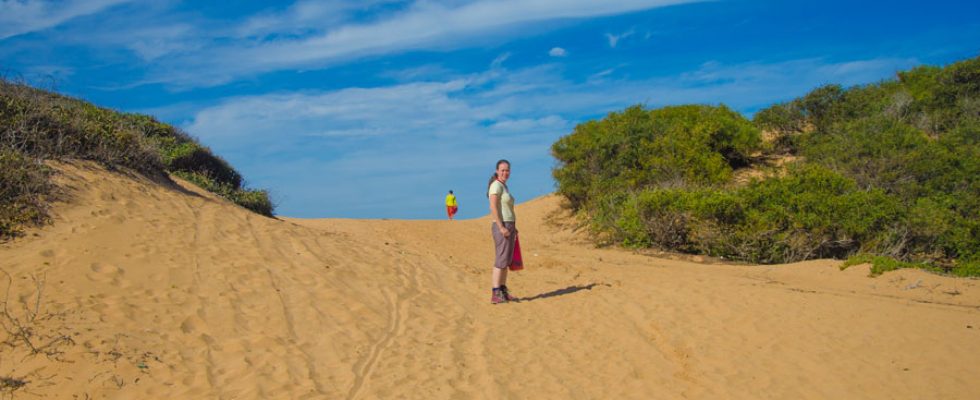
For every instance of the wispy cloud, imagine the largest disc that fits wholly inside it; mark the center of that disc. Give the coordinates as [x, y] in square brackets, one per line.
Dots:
[394, 110]
[154, 32]
[500, 98]
[18, 17]
[303, 18]
[426, 72]
[615, 38]
[436, 135]
[499, 61]
[346, 105]
[423, 25]
[601, 74]
[386, 142]
[185, 50]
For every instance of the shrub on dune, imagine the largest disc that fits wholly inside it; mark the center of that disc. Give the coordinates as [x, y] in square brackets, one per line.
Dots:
[37, 125]
[886, 170]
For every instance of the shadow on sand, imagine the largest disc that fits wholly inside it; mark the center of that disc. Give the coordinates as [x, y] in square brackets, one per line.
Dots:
[561, 292]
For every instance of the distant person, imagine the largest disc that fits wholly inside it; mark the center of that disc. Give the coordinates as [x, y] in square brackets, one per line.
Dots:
[503, 228]
[451, 206]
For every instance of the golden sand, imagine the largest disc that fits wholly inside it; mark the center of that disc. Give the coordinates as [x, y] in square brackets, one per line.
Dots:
[157, 292]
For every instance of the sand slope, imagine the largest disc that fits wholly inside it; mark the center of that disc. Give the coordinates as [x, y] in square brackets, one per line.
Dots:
[169, 292]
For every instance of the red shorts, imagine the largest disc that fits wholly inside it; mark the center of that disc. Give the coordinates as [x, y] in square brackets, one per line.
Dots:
[451, 210]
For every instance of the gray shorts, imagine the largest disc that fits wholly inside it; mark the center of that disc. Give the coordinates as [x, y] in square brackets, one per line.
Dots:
[503, 246]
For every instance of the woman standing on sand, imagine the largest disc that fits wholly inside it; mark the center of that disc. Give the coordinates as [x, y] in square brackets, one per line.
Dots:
[503, 229]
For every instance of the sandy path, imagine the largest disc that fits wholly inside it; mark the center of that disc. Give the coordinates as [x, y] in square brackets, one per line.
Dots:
[171, 293]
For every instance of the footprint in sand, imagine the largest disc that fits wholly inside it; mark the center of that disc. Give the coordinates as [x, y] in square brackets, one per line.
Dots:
[107, 273]
[191, 324]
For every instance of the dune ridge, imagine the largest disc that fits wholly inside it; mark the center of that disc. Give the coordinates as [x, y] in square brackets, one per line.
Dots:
[172, 292]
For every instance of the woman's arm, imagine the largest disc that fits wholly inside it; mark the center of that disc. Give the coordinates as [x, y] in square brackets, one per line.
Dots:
[496, 216]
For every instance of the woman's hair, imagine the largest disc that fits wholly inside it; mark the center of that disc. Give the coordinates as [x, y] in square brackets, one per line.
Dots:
[494, 176]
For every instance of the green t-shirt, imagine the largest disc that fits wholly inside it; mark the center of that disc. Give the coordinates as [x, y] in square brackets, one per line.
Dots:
[506, 201]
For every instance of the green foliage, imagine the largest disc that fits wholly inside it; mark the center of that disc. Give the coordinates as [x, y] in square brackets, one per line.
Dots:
[811, 212]
[917, 139]
[23, 186]
[191, 157]
[881, 264]
[959, 81]
[784, 122]
[255, 200]
[782, 117]
[875, 151]
[822, 105]
[637, 148]
[50, 126]
[815, 212]
[38, 125]
[967, 268]
[890, 170]
[922, 83]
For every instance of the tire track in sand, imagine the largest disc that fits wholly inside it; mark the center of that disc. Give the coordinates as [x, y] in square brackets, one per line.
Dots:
[292, 266]
[397, 311]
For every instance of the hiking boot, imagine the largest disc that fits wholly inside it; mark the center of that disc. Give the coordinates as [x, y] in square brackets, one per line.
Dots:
[498, 297]
[506, 293]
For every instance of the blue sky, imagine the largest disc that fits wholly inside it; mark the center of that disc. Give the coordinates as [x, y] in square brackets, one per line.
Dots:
[374, 109]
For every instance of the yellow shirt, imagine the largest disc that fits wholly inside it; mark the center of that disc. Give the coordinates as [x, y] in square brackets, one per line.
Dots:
[450, 200]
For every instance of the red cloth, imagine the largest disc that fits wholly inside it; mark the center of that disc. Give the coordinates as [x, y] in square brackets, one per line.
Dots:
[451, 210]
[517, 262]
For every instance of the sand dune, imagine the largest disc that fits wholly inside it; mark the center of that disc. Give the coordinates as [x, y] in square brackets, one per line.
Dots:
[168, 292]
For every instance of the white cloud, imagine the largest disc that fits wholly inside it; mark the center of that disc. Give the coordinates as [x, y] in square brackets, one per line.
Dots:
[601, 74]
[152, 43]
[499, 61]
[152, 31]
[557, 52]
[386, 141]
[303, 18]
[426, 72]
[415, 137]
[18, 17]
[184, 50]
[428, 108]
[500, 101]
[614, 38]
[551, 122]
[423, 25]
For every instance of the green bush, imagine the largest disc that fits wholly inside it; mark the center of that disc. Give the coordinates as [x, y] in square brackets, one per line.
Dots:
[782, 117]
[966, 268]
[811, 212]
[890, 170]
[875, 151]
[814, 212]
[192, 157]
[881, 264]
[255, 200]
[24, 185]
[784, 123]
[919, 142]
[38, 125]
[637, 149]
